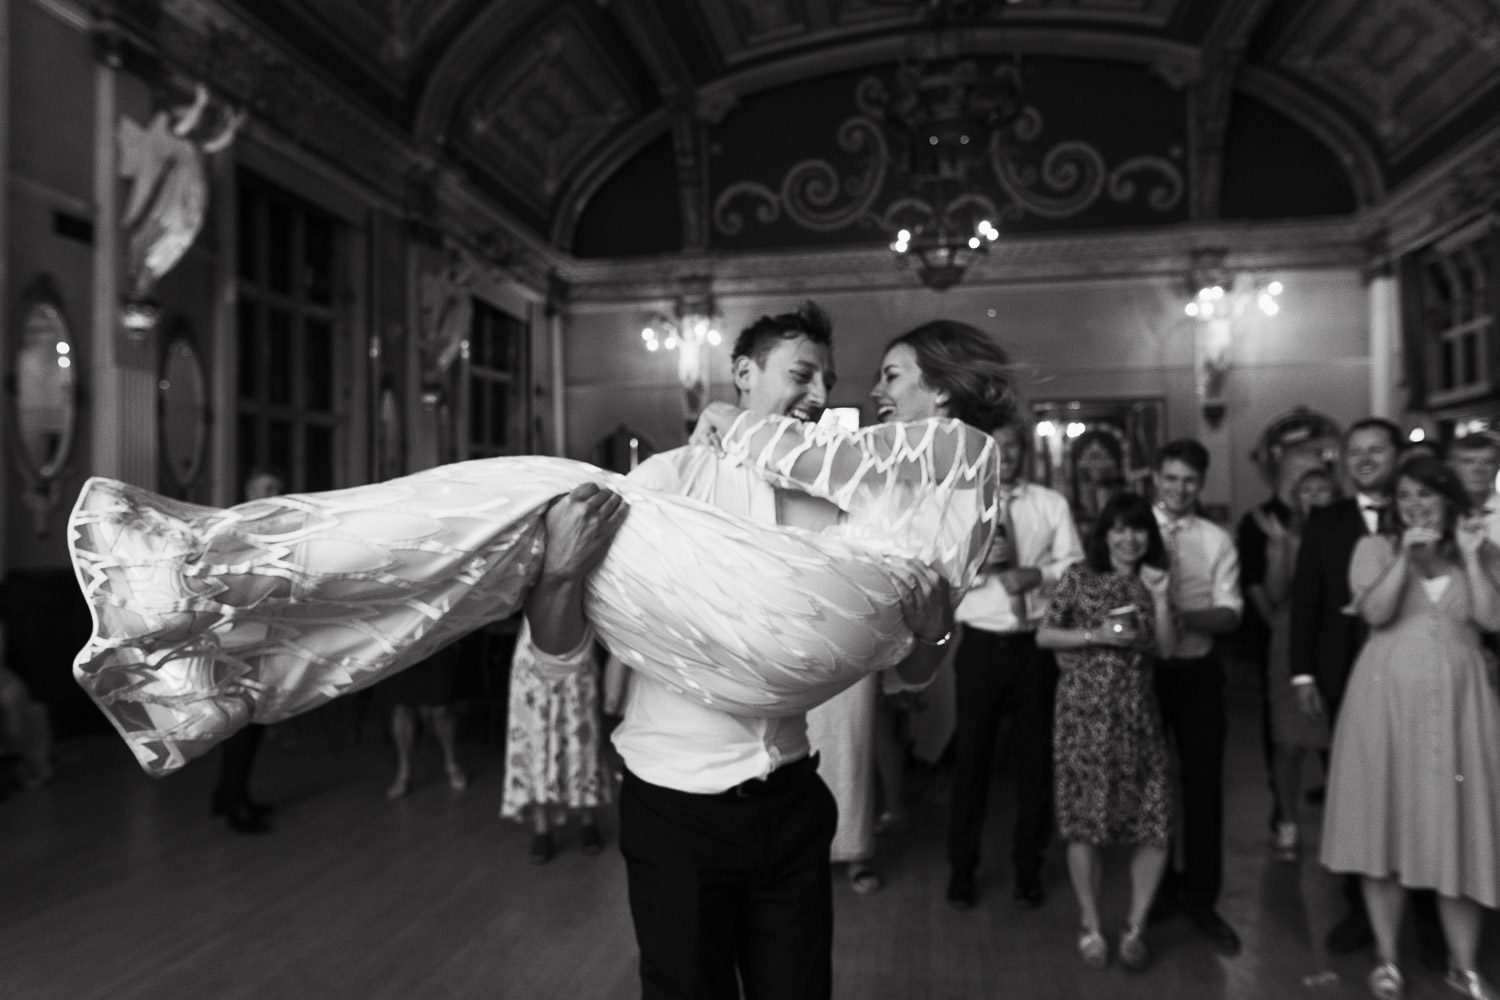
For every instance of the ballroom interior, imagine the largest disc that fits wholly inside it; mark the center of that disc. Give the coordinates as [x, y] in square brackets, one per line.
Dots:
[352, 240]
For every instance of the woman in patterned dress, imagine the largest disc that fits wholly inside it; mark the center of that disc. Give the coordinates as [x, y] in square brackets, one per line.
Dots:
[1108, 616]
[553, 764]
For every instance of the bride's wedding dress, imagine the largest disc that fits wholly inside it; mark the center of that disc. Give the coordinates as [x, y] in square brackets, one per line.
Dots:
[206, 619]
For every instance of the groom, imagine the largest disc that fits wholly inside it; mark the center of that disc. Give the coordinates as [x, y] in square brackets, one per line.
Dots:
[724, 823]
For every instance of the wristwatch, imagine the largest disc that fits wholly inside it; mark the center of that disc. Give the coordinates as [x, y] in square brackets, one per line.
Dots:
[1088, 637]
[936, 642]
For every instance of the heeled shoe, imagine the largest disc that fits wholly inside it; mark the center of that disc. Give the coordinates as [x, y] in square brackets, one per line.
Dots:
[1468, 983]
[220, 805]
[589, 839]
[457, 780]
[1092, 948]
[1134, 955]
[541, 849]
[1386, 982]
[399, 787]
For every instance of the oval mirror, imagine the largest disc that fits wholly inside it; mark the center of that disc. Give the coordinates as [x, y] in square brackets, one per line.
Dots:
[44, 368]
[182, 408]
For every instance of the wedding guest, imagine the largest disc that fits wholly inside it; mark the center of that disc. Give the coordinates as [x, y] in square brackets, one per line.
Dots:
[1414, 783]
[999, 671]
[1109, 619]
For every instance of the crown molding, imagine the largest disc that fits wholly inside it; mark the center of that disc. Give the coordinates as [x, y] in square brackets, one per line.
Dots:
[1335, 243]
[1444, 195]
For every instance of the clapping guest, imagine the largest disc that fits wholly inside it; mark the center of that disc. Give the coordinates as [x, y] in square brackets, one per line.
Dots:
[1414, 784]
[1108, 619]
[1293, 732]
[1476, 459]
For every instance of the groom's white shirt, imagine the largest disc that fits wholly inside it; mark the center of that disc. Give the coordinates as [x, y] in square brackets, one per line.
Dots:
[670, 740]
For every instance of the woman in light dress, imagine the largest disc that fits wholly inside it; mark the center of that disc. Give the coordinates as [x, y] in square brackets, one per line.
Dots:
[1414, 781]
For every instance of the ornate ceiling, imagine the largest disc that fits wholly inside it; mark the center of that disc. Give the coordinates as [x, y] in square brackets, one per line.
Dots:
[620, 127]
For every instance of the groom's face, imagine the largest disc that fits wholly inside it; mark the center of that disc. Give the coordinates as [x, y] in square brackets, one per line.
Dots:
[793, 381]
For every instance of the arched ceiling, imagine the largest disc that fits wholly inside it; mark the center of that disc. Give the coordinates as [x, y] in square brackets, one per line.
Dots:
[563, 108]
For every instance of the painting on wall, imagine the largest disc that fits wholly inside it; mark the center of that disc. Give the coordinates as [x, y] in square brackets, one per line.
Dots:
[1090, 449]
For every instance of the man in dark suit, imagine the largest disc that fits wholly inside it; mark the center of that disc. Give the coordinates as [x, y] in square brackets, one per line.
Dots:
[1324, 639]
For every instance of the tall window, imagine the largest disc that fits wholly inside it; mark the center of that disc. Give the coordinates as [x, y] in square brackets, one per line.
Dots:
[499, 415]
[291, 375]
[1459, 298]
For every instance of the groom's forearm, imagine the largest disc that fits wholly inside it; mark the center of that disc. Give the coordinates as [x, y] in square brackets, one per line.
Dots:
[554, 609]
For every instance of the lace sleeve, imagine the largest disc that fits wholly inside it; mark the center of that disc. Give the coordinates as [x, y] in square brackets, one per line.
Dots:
[926, 490]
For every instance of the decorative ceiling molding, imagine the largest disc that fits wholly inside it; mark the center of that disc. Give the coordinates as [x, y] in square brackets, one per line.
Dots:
[674, 82]
[1407, 66]
[484, 43]
[1443, 196]
[533, 121]
[1302, 245]
[1352, 147]
[863, 53]
[208, 42]
[211, 43]
[602, 165]
[1212, 95]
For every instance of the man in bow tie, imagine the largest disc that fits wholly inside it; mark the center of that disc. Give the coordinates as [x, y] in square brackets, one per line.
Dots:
[1325, 638]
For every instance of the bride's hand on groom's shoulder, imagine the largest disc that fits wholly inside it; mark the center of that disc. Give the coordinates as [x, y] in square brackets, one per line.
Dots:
[713, 423]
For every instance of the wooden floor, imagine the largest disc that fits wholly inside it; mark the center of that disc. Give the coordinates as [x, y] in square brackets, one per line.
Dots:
[114, 885]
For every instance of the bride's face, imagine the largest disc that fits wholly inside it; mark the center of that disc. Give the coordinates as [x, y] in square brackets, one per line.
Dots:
[900, 392]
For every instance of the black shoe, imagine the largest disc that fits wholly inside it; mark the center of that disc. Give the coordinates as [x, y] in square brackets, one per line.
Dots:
[541, 849]
[589, 839]
[1207, 920]
[219, 805]
[244, 818]
[1029, 894]
[1351, 934]
[961, 894]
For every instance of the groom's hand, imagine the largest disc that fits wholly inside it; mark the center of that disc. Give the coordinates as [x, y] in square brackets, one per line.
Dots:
[580, 527]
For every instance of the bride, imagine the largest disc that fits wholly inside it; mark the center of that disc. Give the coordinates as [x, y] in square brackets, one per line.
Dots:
[207, 619]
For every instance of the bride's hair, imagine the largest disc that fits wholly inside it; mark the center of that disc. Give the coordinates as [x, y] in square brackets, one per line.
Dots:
[972, 369]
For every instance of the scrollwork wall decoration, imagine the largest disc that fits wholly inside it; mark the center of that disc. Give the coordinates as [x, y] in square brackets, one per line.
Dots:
[1070, 177]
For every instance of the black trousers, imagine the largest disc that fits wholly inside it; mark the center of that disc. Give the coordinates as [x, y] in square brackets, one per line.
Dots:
[1190, 694]
[996, 674]
[237, 756]
[726, 883]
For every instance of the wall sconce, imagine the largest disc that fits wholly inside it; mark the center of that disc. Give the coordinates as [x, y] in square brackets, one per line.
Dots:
[139, 316]
[1219, 300]
[691, 334]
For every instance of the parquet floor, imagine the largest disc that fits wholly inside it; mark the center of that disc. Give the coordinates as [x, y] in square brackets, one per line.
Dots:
[115, 886]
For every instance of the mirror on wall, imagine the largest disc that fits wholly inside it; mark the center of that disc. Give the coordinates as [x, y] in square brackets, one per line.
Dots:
[44, 380]
[390, 435]
[182, 407]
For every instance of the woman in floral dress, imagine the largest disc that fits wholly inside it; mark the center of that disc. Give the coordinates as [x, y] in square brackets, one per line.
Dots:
[1108, 616]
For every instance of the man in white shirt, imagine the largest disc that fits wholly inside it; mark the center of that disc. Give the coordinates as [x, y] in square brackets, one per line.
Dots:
[725, 825]
[998, 669]
[1205, 595]
[1476, 459]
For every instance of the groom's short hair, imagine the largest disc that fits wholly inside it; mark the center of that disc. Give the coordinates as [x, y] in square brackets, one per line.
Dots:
[757, 339]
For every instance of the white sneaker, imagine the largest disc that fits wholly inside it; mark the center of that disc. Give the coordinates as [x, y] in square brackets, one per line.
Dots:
[1286, 842]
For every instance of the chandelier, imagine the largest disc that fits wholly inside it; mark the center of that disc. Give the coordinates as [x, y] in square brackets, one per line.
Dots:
[940, 255]
[689, 333]
[948, 118]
